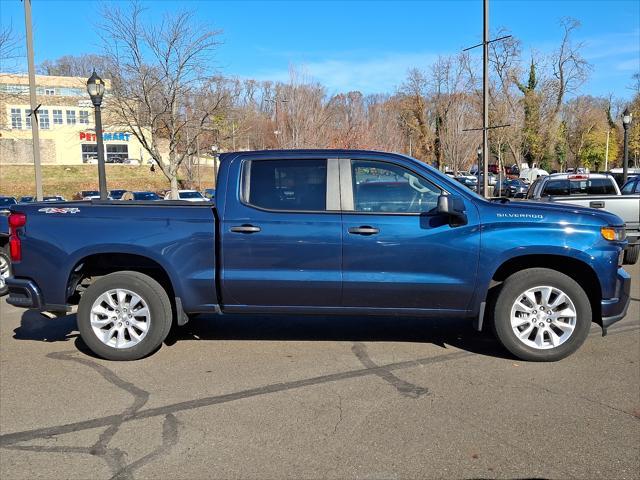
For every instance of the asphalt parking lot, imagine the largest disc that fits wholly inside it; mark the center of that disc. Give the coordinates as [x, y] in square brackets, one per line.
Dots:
[281, 397]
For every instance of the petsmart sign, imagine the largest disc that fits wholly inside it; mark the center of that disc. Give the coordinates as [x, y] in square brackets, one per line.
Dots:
[106, 136]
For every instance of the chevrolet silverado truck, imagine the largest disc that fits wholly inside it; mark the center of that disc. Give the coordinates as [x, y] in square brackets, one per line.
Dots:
[594, 190]
[322, 232]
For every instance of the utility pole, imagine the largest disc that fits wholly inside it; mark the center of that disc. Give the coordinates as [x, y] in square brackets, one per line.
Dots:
[32, 100]
[606, 153]
[484, 187]
[485, 101]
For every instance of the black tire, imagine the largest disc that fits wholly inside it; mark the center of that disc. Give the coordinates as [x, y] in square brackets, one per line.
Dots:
[158, 304]
[631, 255]
[519, 282]
[5, 260]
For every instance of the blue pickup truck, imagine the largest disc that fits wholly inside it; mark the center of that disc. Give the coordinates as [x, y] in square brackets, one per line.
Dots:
[323, 232]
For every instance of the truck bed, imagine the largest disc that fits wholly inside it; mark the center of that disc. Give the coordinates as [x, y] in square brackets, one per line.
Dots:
[179, 236]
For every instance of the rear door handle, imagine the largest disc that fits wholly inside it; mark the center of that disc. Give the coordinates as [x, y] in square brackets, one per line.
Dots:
[245, 229]
[364, 230]
[595, 204]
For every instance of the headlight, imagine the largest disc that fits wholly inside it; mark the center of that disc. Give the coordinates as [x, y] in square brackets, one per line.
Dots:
[613, 234]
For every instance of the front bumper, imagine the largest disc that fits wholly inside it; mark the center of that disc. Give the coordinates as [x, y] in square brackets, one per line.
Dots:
[615, 309]
[25, 293]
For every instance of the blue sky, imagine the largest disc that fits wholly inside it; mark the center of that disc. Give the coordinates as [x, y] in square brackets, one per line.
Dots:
[362, 45]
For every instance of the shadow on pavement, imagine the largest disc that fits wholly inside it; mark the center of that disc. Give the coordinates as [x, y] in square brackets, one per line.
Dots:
[445, 332]
[35, 326]
[453, 332]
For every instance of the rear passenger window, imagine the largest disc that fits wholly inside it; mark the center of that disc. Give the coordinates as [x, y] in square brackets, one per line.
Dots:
[556, 187]
[294, 185]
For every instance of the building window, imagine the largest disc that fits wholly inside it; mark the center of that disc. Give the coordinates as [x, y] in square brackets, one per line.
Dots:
[71, 117]
[84, 117]
[16, 118]
[117, 153]
[49, 91]
[89, 152]
[57, 117]
[27, 118]
[43, 115]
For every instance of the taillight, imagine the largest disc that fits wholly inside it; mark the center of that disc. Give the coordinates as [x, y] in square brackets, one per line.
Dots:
[15, 248]
[16, 221]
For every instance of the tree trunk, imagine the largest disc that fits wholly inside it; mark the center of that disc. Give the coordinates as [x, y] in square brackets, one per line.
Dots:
[174, 187]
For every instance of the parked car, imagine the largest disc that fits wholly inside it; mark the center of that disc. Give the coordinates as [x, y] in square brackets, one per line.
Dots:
[188, 195]
[116, 194]
[491, 179]
[87, 195]
[6, 202]
[297, 232]
[210, 193]
[511, 187]
[595, 190]
[618, 174]
[632, 186]
[148, 196]
[468, 180]
[54, 198]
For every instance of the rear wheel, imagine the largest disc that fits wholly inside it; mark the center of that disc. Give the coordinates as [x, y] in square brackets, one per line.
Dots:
[5, 271]
[124, 316]
[542, 315]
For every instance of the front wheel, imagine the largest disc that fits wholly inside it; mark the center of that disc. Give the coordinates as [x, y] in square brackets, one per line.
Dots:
[542, 315]
[631, 255]
[124, 316]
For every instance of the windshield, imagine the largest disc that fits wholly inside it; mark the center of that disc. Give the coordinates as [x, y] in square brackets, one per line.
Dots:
[4, 202]
[146, 196]
[190, 195]
[90, 193]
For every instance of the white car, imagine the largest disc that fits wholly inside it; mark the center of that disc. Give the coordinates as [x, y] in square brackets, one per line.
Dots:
[188, 195]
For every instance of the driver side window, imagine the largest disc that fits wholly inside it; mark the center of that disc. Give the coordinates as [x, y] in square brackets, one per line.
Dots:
[380, 187]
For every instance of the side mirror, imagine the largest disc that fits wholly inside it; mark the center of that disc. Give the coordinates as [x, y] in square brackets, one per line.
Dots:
[453, 207]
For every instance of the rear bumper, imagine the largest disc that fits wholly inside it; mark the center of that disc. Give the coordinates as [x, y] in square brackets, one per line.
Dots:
[615, 309]
[26, 294]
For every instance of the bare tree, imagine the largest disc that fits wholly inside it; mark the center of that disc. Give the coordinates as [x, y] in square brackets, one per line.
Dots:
[75, 66]
[585, 118]
[10, 48]
[162, 88]
[570, 69]
[453, 110]
[414, 92]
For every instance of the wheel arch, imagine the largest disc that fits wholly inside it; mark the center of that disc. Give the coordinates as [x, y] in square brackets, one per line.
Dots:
[104, 263]
[578, 270]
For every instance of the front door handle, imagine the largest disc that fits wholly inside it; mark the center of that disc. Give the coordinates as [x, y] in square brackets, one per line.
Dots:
[245, 229]
[364, 230]
[596, 204]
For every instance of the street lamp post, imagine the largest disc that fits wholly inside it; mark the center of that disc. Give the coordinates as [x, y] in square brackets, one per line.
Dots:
[626, 121]
[95, 87]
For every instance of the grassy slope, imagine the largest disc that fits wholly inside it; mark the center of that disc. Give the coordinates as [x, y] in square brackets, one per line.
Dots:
[66, 180]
